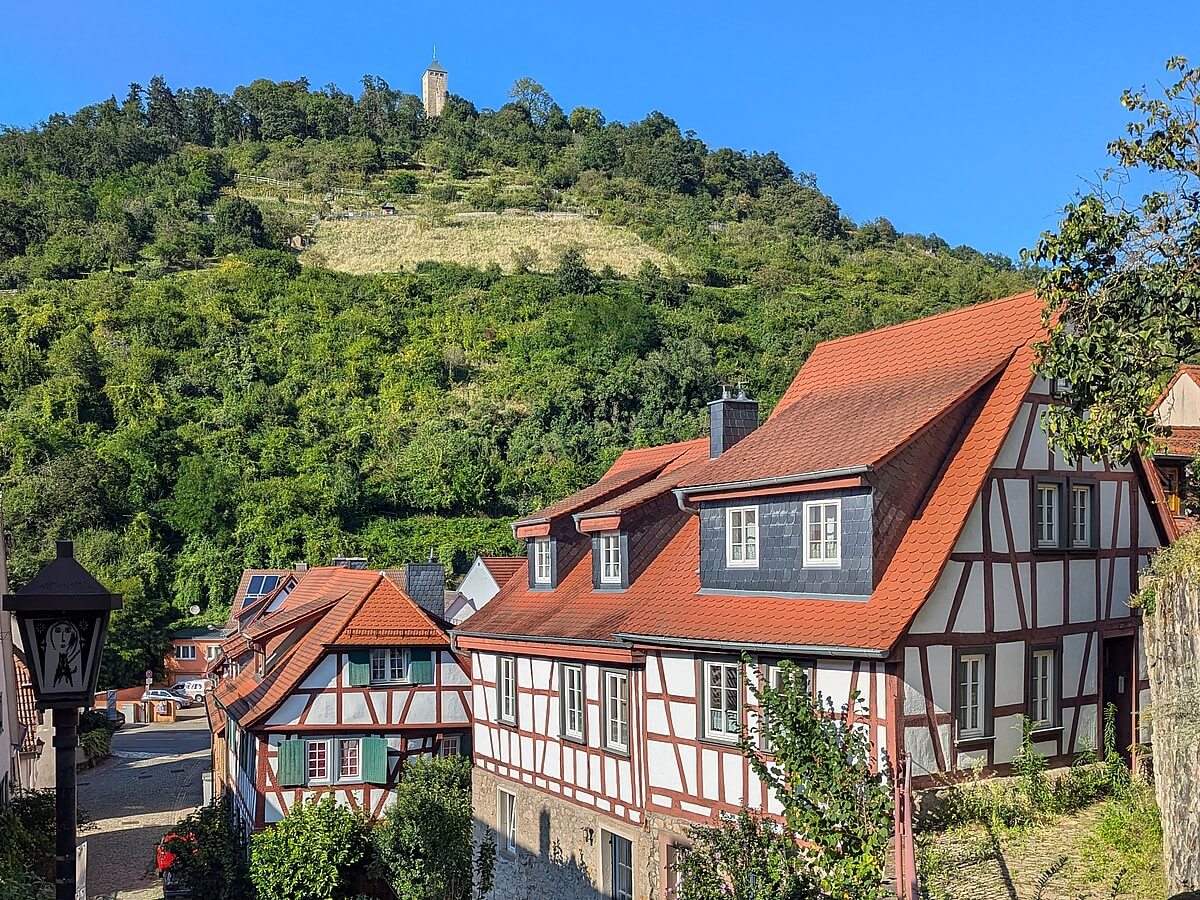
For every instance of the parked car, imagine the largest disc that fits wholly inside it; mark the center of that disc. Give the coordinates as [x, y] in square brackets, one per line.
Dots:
[193, 689]
[162, 695]
[116, 717]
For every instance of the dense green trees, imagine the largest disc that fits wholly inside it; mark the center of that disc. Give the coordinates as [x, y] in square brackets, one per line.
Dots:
[182, 426]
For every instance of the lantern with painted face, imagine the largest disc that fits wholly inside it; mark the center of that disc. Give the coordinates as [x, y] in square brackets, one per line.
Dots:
[62, 614]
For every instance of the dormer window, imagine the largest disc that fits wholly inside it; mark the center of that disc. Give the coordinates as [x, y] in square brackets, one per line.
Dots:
[542, 568]
[823, 533]
[741, 536]
[611, 571]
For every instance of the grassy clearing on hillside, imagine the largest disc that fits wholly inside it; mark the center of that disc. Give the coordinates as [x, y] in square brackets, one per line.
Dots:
[476, 239]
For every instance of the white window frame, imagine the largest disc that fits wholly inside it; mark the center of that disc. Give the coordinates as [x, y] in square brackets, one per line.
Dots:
[212, 651]
[506, 689]
[543, 568]
[394, 656]
[1042, 687]
[741, 552]
[610, 558]
[1084, 491]
[309, 746]
[1052, 525]
[506, 821]
[823, 560]
[616, 710]
[356, 776]
[451, 745]
[571, 685]
[963, 698]
[618, 875]
[185, 652]
[722, 667]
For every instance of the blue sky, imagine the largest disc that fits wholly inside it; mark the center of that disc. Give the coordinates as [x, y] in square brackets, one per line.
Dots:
[976, 121]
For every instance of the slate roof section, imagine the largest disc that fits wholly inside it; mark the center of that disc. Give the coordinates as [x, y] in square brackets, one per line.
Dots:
[338, 607]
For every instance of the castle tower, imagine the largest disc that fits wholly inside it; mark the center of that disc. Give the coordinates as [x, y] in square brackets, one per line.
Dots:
[433, 88]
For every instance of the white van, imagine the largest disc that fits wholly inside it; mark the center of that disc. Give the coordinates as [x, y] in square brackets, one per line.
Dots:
[193, 688]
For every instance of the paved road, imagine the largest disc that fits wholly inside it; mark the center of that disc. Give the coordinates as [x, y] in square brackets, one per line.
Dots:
[152, 781]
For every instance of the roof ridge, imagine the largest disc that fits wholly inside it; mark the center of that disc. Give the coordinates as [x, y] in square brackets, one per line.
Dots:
[897, 326]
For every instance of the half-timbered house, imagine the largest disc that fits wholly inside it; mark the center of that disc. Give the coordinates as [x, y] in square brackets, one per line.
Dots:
[898, 527]
[1178, 411]
[349, 676]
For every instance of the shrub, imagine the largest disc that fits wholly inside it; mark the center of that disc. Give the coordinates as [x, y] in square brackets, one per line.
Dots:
[443, 193]
[97, 743]
[96, 719]
[402, 183]
[312, 854]
[424, 843]
[213, 863]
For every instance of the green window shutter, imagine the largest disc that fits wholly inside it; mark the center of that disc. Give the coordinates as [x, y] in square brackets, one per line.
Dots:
[374, 760]
[360, 668]
[290, 765]
[420, 666]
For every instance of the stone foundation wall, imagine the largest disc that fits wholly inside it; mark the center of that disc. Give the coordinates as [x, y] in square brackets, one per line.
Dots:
[561, 845]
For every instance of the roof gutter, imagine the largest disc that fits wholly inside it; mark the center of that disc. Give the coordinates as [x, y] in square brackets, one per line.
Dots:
[774, 481]
[532, 639]
[805, 649]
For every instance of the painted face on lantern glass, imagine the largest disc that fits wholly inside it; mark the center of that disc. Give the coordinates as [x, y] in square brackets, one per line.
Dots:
[62, 656]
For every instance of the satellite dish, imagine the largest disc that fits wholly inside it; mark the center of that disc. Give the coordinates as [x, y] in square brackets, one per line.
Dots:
[194, 610]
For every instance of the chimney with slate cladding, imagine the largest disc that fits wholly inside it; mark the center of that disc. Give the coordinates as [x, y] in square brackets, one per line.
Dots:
[426, 584]
[729, 420]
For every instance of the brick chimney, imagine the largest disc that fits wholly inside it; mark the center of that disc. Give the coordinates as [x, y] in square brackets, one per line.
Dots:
[729, 420]
[426, 584]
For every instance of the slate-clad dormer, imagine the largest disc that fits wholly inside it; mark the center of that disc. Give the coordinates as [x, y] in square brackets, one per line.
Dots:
[543, 563]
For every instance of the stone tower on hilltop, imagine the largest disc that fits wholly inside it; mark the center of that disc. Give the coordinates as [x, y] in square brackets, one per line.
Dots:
[433, 88]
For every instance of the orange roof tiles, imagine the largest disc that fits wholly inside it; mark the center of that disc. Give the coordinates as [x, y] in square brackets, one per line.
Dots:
[858, 399]
[856, 402]
[504, 567]
[360, 608]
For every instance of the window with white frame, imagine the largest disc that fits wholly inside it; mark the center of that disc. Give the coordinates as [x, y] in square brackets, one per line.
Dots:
[1081, 515]
[349, 759]
[571, 678]
[823, 533]
[616, 711]
[972, 704]
[212, 651]
[506, 820]
[542, 568]
[618, 867]
[1047, 514]
[506, 689]
[1042, 688]
[389, 664]
[741, 536]
[185, 651]
[318, 761]
[451, 745]
[722, 700]
[610, 558]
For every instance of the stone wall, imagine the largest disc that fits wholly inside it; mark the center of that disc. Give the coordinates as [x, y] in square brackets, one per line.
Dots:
[560, 845]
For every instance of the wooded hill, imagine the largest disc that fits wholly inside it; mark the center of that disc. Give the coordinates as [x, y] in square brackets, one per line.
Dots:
[186, 400]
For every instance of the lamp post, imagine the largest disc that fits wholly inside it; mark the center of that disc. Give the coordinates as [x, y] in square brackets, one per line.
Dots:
[63, 616]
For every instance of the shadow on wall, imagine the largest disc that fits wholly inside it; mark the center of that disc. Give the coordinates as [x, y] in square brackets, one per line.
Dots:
[549, 871]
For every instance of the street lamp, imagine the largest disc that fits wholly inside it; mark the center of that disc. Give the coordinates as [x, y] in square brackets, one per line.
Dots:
[63, 617]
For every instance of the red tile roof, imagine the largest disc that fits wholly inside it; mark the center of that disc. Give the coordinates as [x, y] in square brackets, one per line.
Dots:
[361, 608]
[1183, 441]
[504, 567]
[859, 399]
[27, 713]
[897, 382]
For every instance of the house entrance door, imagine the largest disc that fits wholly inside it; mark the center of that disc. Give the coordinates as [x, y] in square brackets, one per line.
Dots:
[1118, 687]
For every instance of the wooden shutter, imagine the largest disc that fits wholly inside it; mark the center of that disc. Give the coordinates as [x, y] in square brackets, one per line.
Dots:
[375, 760]
[360, 668]
[420, 666]
[464, 744]
[290, 765]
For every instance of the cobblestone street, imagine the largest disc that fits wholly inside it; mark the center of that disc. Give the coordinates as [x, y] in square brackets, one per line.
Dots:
[133, 798]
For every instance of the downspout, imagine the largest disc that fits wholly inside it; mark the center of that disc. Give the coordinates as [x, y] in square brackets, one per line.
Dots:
[8, 676]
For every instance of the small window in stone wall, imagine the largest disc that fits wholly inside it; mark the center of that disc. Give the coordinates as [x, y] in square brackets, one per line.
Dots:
[506, 822]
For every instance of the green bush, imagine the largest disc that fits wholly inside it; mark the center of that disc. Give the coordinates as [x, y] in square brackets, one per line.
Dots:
[212, 862]
[94, 720]
[97, 743]
[402, 183]
[443, 193]
[313, 854]
[424, 843]
[27, 845]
